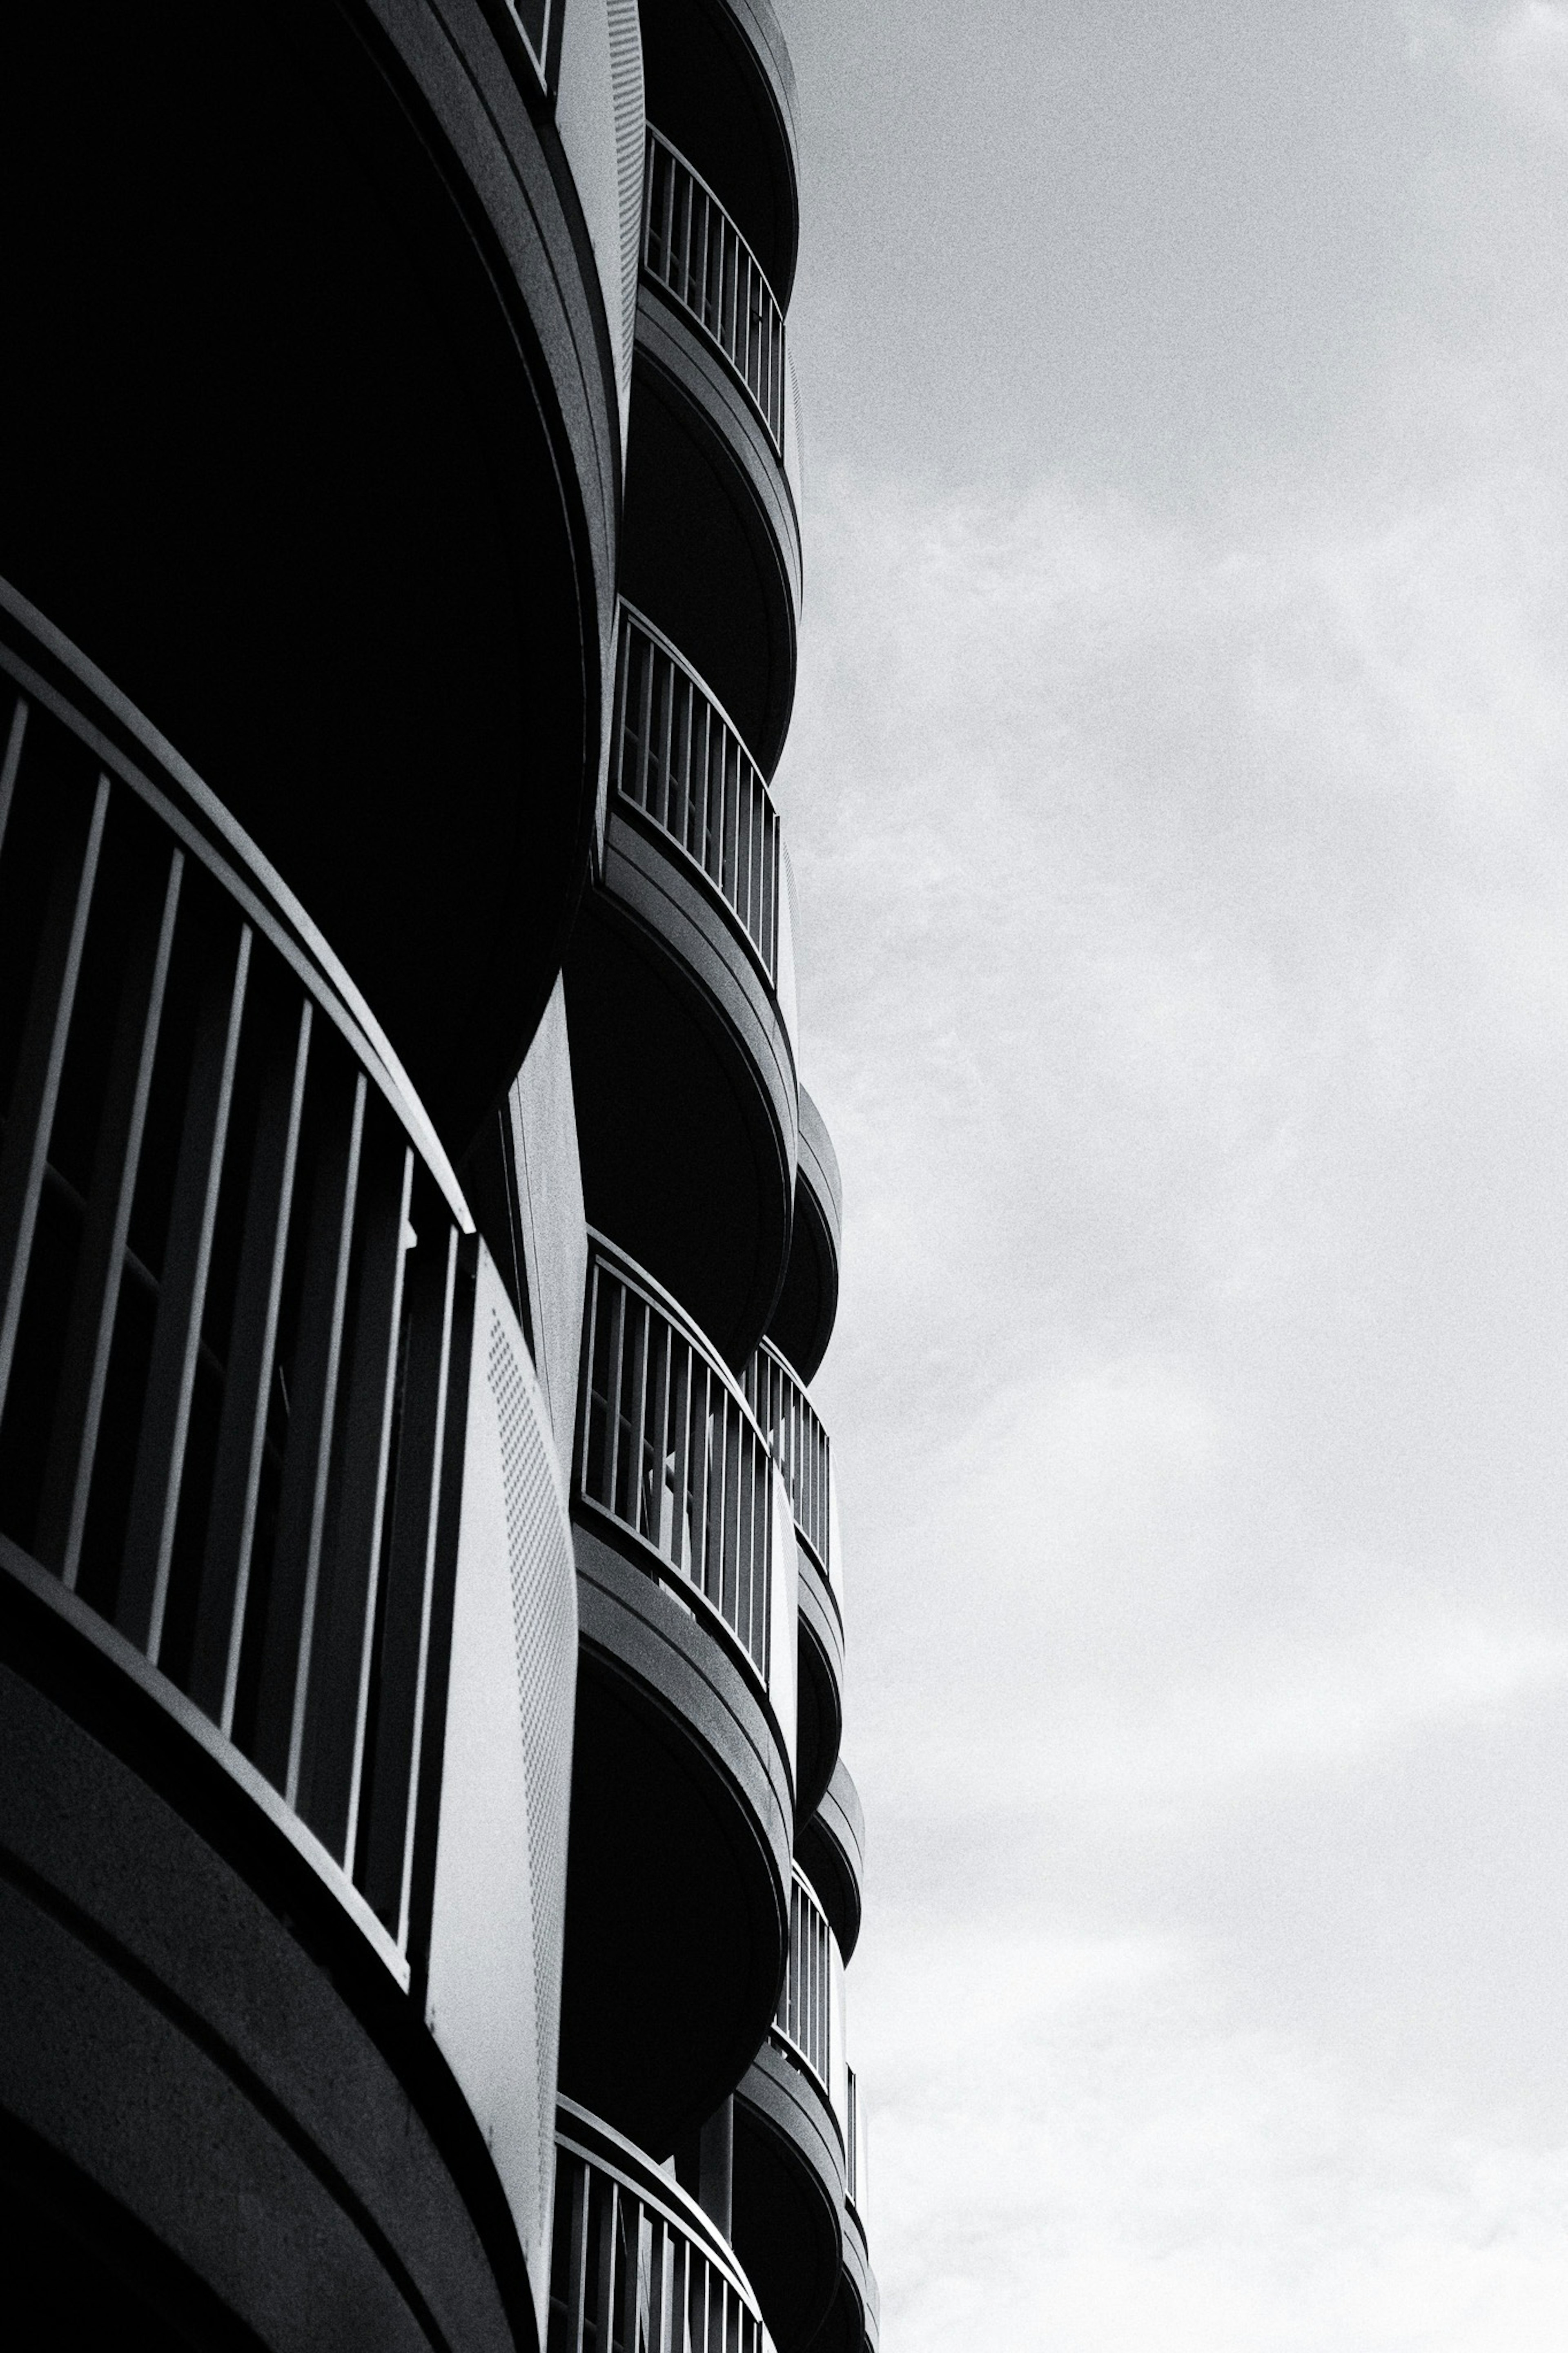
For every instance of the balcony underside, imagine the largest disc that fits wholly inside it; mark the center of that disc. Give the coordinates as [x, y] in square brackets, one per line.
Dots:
[720, 85]
[851, 2323]
[677, 1915]
[710, 547]
[821, 1688]
[788, 2196]
[803, 1321]
[311, 449]
[685, 1088]
[830, 1847]
[208, 2112]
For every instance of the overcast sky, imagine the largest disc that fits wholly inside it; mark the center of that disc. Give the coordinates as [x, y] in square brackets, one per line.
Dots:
[1179, 797]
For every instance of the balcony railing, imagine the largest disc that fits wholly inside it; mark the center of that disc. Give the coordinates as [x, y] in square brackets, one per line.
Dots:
[638, 2267]
[694, 251]
[678, 759]
[668, 1450]
[805, 2018]
[227, 1266]
[800, 1447]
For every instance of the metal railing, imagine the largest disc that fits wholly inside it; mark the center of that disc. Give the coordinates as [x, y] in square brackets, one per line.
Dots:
[227, 1266]
[692, 249]
[667, 1448]
[636, 2267]
[677, 758]
[800, 1447]
[804, 2014]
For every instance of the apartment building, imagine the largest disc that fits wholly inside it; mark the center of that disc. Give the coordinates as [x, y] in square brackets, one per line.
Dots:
[428, 1868]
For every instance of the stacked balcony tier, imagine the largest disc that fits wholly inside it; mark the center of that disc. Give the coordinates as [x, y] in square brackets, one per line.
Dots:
[279, 1959]
[345, 526]
[682, 1800]
[638, 2262]
[679, 995]
[792, 2138]
[721, 84]
[711, 455]
[800, 1447]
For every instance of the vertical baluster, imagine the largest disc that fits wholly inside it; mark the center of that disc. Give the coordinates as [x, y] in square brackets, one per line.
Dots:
[623, 757]
[665, 723]
[703, 245]
[248, 1379]
[647, 686]
[653, 250]
[577, 2283]
[338, 1698]
[659, 2332]
[680, 1479]
[616, 1346]
[182, 1297]
[605, 2284]
[660, 1528]
[674, 259]
[30, 1117]
[728, 338]
[712, 1440]
[637, 1493]
[634, 2278]
[306, 1462]
[117, 1159]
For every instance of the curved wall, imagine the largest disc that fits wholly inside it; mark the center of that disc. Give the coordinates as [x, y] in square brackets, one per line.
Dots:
[350, 516]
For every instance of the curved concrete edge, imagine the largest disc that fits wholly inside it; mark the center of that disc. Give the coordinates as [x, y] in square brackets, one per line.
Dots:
[784, 2102]
[172, 2047]
[819, 1167]
[646, 879]
[702, 391]
[831, 1848]
[756, 21]
[630, 1621]
[821, 1660]
[857, 2257]
[497, 131]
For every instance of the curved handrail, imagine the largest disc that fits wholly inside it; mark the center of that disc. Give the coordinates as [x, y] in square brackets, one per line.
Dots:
[637, 2264]
[693, 251]
[116, 722]
[679, 759]
[801, 1448]
[669, 1448]
[229, 1261]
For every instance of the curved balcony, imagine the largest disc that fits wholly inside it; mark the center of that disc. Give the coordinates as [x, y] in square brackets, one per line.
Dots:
[719, 79]
[250, 1492]
[802, 1322]
[790, 2120]
[349, 518]
[637, 2265]
[799, 1446]
[711, 463]
[679, 995]
[682, 1800]
[831, 1848]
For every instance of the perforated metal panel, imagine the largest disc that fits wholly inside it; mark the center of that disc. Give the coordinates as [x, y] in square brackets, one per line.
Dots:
[627, 88]
[492, 1996]
[544, 1626]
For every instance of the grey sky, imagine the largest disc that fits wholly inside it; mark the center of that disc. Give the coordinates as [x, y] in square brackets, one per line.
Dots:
[1177, 795]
